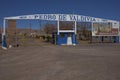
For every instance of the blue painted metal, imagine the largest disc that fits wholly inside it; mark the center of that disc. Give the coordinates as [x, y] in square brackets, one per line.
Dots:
[62, 38]
[4, 44]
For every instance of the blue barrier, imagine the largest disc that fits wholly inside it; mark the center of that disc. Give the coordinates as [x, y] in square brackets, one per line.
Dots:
[4, 44]
[62, 38]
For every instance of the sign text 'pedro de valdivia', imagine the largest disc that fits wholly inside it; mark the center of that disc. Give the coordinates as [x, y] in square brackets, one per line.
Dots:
[60, 17]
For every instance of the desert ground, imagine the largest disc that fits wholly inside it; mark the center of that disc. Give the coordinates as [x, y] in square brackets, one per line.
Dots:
[51, 62]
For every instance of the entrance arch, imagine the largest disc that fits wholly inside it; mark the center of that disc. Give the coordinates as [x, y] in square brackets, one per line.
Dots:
[64, 17]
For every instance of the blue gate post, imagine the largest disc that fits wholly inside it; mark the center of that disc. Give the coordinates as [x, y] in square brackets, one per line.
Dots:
[4, 44]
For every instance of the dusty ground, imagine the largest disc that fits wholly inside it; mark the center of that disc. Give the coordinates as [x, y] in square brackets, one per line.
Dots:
[49, 62]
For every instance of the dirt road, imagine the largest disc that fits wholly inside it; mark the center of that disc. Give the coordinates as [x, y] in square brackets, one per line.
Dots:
[82, 62]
